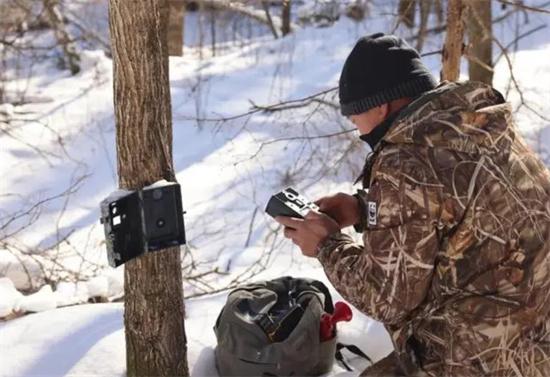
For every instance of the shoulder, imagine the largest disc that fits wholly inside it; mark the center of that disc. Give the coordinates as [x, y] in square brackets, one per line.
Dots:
[404, 185]
[404, 160]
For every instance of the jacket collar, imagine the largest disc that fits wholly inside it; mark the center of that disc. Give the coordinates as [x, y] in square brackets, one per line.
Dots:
[374, 137]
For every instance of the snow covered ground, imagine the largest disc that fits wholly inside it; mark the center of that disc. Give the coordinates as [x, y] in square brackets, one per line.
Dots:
[65, 138]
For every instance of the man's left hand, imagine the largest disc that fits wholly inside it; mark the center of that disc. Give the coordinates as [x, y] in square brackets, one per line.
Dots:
[309, 232]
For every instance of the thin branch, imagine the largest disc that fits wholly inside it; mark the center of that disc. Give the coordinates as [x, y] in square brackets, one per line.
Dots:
[519, 4]
[515, 82]
[294, 138]
[518, 38]
[265, 5]
[303, 101]
[441, 28]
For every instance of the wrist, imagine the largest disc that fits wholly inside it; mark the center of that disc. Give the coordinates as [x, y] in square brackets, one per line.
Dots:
[361, 225]
[328, 244]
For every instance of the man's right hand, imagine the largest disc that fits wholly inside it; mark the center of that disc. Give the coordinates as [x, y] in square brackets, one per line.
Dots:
[341, 207]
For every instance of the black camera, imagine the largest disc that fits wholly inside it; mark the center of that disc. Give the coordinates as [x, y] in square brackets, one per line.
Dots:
[289, 203]
[136, 222]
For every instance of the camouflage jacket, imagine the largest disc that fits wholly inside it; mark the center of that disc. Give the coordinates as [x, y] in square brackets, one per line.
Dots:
[455, 261]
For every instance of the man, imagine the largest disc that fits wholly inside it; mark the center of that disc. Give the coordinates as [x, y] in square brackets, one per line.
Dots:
[455, 220]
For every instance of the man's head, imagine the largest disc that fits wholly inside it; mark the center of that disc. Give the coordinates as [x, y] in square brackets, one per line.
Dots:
[381, 74]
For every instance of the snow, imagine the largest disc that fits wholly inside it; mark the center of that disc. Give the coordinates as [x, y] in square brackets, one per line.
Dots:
[9, 297]
[227, 172]
[40, 301]
[89, 340]
[98, 286]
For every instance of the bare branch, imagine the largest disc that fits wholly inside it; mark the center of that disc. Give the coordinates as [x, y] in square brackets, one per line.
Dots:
[520, 4]
[301, 102]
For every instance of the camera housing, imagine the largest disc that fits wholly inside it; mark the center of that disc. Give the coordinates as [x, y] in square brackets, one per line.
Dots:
[136, 222]
[289, 203]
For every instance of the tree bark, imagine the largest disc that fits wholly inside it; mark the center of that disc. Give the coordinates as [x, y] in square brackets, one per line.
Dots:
[480, 41]
[285, 17]
[452, 50]
[153, 302]
[175, 27]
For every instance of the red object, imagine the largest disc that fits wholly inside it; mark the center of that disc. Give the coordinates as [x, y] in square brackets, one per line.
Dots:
[342, 312]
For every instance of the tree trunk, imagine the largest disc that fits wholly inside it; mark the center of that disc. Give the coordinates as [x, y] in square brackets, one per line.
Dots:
[285, 17]
[212, 13]
[265, 5]
[425, 8]
[480, 41]
[438, 10]
[55, 19]
[175, 27]
[153, 302]
[452, 50]
[407, 11]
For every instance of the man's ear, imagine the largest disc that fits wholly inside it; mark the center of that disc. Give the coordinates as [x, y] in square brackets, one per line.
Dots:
[382, 112]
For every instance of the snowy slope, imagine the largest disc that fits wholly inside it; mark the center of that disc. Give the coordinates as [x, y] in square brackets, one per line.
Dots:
[89, 340]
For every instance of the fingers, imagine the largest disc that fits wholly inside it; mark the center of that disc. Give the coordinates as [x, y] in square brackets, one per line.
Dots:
[323, 203]
[312, 215]
[326, 203]
[291, 222]
[289, 232]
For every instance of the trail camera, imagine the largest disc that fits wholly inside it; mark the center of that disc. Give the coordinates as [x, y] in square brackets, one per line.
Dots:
[136, 222]
[289, 203]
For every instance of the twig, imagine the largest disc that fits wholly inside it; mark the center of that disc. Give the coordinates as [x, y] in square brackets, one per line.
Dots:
[264, 108]
[516, 85]
[251, 227]
[523, 6]
[441, 28]
[518, 38]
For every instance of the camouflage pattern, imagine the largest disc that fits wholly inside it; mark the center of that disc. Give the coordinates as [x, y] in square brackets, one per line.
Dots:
[455, 261]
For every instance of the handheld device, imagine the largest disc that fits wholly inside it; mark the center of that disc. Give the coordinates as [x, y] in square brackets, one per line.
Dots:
[289, 203]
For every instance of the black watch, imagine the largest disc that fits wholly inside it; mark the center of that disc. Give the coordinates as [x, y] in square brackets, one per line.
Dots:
[361, 197]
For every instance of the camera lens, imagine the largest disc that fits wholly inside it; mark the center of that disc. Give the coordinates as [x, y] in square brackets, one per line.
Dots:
[157, 194]
[160, 222]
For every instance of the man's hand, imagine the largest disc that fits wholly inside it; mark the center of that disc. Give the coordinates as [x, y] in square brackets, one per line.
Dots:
[341, 207]
[309, 232]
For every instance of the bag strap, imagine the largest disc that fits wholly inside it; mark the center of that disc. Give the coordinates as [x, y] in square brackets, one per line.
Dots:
[278, 329]
[281, 329]
[353, 349]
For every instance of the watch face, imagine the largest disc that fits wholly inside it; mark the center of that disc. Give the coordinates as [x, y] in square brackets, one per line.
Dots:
[371, 212]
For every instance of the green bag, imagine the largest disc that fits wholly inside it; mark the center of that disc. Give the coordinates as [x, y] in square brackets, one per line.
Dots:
[271, 328]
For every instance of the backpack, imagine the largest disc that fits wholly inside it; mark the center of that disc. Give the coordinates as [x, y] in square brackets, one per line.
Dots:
[271, 328]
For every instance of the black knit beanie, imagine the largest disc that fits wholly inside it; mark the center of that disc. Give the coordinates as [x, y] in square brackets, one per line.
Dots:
[380, 69]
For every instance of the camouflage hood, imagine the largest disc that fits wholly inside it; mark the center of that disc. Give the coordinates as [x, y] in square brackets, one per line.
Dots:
[468, 117]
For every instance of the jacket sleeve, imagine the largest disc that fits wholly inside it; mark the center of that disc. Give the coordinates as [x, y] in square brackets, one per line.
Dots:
[390, 274]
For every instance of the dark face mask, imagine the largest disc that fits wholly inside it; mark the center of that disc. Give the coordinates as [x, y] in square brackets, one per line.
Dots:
[374, 137]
